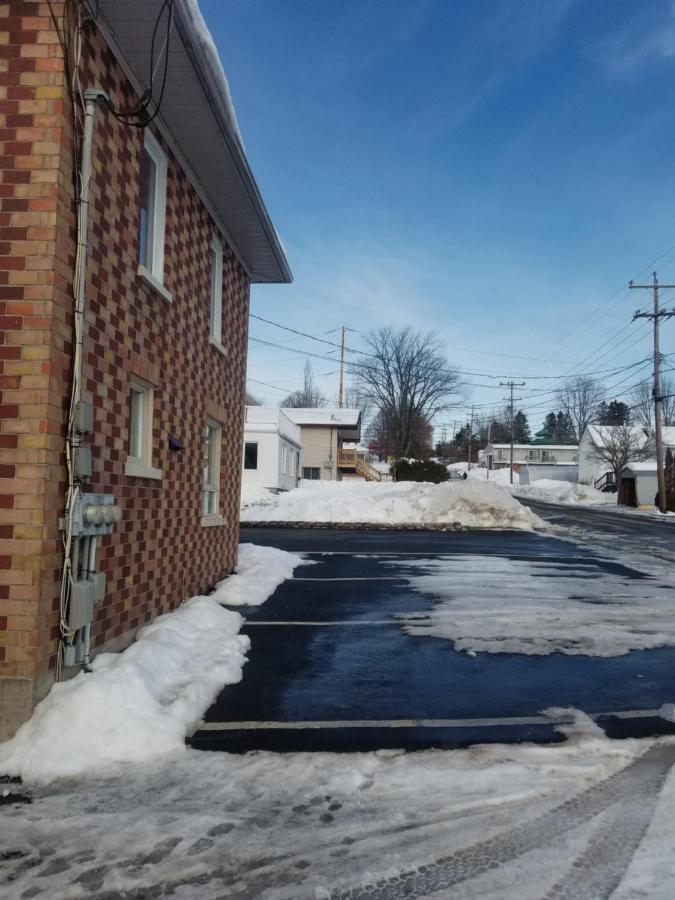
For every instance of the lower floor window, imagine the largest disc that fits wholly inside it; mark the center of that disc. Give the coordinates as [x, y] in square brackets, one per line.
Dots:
[311, 474]
[211, 489]
[250, 456]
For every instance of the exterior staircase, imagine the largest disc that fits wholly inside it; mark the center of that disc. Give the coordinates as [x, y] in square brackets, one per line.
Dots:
[352, 460]
[606, 483]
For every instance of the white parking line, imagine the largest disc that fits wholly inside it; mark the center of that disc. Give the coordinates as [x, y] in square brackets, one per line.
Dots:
[421, 723]
[330, 622]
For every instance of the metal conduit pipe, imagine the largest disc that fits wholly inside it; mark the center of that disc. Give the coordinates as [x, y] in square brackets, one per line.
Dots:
[91, 568]
[91, 98]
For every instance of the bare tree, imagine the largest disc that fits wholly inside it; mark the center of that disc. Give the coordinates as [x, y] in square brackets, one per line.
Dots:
[642, 399]
[620, 445]
[251, 400]
[408, 380]
[309, 396]
[578, 398]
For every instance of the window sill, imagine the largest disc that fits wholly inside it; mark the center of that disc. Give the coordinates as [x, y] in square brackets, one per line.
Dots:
[149, 279]
[135, 469]
[210, 521]
[219, 347]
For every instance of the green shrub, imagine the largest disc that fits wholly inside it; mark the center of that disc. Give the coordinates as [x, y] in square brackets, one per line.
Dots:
[419, 470]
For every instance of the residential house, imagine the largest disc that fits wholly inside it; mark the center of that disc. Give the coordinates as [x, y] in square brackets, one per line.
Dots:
[324, 431]
[593, 469]
[124, 328]
[272, 445]
[544, 460]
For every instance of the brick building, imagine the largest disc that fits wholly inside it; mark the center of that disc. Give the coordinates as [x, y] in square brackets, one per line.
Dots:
[176, 233]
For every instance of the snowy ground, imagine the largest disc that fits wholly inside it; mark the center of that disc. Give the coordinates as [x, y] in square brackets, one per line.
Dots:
[565, 492]
[464, 504]
[540, 606]
[585, 818]
[497, 822]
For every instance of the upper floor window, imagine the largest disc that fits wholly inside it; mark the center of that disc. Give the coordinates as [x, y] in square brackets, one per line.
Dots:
[216, 319]
[153, 208]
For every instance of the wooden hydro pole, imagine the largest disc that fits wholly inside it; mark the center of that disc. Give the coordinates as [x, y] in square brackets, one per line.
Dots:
[656, 317]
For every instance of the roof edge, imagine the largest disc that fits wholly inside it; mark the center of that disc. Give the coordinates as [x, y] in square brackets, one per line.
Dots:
[207, 76]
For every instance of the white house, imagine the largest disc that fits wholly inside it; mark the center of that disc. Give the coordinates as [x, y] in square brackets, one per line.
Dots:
[272, 446]
[498, 456]
[324, 431]
[592, 467]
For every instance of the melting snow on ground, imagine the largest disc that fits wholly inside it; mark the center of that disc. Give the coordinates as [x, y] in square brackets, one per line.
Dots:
[461, 504]
[143, 702]
[540, 606]
[517, 822]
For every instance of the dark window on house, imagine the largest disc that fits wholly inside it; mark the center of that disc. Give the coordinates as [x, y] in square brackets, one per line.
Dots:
[250, 456]
[311, 474]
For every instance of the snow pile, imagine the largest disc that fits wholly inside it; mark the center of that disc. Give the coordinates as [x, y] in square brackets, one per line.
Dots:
[141, 703]
[537, 607]
[252, 493]
[465, 504]
[565, 492]
[136, 704]
[259, 573]
[480, 473]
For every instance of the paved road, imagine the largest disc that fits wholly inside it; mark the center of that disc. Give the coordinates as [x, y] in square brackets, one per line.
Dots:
[332, 668]
[617, 530]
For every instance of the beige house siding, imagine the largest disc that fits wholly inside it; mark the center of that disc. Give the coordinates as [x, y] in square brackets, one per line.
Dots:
[319, 445]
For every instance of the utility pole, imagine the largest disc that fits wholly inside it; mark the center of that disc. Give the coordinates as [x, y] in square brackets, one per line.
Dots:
[487, 461]
[470, 438]
[656, 317]
[511, 385]
[341, 390]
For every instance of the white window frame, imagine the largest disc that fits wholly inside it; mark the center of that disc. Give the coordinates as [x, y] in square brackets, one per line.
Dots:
[154, 272]
[216, 295]
[213, 431]
[140, 465]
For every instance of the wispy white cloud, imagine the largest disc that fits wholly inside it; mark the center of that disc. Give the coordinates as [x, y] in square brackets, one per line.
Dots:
[648, 38]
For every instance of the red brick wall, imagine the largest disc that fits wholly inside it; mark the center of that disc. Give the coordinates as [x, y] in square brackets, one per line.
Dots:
[160, 552]
[33, 169]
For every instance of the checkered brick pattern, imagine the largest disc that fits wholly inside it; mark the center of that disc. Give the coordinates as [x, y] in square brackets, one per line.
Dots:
[160, 553]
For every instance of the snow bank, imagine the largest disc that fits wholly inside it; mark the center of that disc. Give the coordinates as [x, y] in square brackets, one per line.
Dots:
[259, 572]
[136, 704]
[466, 504]
[141, 703]
[537, 607]
[565, 492]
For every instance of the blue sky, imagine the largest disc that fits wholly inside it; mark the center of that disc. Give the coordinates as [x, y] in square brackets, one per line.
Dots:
[492, 169]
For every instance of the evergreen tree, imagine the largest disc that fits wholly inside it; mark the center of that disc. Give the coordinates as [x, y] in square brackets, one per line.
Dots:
[564, 429]
[521, 429]
[551, 426]
[616, 412]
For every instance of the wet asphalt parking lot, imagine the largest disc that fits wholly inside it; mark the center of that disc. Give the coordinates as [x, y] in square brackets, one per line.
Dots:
[331, 668]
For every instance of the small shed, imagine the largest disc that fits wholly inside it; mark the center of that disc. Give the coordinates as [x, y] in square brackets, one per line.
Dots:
[639, 484]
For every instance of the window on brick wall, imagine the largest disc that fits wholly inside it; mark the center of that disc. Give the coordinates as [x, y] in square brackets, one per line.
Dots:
[216, 318]
[152, 214]
[139, 449]
[211, 489]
